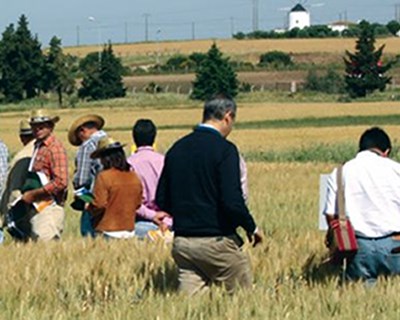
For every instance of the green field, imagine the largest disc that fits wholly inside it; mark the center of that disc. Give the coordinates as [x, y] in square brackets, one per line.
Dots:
[287, 146]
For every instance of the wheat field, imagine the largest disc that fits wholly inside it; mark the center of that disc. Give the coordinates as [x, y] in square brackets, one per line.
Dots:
[95, 279]
[238, 47]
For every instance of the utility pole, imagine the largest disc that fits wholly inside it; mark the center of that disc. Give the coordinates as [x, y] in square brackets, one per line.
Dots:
[232, 26]
[397, 12]
[255, 15]
[146, 26]
[193, 31]
[126, 32]
[78, 37]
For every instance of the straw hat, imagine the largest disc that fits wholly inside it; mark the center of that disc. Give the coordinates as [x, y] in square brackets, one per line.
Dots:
[73, 130]
[25, 128]
[106, 144]
[41, 116]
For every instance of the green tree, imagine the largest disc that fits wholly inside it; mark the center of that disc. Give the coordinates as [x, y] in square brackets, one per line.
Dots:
[31, 59]
[10, 83]
[214, 75]
[58, 73]
[393, 26]
[102, 77]
[365, 71]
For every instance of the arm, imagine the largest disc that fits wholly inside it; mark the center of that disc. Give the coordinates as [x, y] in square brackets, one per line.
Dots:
[59, 165]
[59, 177]
[162, 194]
[82, 176]
[232, 201]
[100, 192]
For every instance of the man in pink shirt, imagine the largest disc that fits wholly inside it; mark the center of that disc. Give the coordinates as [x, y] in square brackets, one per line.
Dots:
[148, 164]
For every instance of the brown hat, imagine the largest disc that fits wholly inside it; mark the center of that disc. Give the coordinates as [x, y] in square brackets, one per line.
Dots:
[24, 128]
[106, 144]
[41, 116]
[73, 130]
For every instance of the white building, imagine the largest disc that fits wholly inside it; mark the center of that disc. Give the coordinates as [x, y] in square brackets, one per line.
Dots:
[298, 17]
[339, 26]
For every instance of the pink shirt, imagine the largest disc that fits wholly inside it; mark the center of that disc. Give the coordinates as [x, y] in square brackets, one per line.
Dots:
[148, 165]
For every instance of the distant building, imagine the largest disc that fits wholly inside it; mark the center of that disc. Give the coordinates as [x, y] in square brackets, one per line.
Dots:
[299, 17]
[340, 26]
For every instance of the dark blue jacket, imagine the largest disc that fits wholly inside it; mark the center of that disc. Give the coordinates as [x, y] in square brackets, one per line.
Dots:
[200, 186]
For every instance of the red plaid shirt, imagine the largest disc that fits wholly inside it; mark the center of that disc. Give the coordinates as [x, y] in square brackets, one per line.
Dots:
[51, 159]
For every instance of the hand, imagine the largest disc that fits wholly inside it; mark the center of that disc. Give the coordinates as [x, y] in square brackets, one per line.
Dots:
[255, 238]
[28, 197]
[158, 218]
[163, 227]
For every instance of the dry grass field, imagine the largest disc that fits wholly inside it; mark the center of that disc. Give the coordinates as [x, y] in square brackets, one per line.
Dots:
[239, 47]
[86, 279]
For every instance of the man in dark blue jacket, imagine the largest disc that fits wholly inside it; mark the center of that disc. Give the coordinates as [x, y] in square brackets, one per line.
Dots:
[200, 187]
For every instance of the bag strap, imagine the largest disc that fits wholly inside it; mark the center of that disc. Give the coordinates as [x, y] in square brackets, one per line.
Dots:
[340, 194]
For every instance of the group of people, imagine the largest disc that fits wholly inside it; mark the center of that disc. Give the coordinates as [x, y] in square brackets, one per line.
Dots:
[198, 190]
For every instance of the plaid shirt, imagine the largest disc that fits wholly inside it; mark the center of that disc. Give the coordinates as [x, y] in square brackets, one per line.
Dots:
[3, 165]
[51, 159]
[87, 168]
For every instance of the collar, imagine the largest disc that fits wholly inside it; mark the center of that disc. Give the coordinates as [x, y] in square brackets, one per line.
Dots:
[48, 141]
[208, 127]
[143, 148]
[368, 153]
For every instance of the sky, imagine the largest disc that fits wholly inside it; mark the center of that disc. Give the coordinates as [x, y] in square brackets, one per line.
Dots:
[83, 22]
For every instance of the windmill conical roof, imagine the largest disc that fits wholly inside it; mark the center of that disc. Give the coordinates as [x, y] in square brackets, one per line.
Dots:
[298, 8]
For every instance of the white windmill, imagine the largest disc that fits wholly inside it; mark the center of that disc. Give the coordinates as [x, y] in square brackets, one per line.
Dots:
[298, 16]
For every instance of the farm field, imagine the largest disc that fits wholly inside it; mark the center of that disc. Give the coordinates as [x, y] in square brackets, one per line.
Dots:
[92, 279]
[239, 47]
[305, 53]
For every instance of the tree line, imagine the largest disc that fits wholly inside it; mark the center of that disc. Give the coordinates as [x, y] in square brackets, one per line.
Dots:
[26, 70]
[322, 31]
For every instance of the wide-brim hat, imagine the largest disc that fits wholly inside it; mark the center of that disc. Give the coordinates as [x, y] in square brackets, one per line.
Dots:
[106, 144]
[41, 116]
[25, 128]
[73, 130]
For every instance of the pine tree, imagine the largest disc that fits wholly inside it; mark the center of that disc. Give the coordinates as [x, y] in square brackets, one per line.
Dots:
[10, 83]
[58, 75]
[21, 62]
[214, 76]
[102, 76]
[365, 71]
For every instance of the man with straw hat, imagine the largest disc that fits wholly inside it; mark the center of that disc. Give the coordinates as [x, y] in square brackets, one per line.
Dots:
[18, 167]
[85, 133]
[49, 159]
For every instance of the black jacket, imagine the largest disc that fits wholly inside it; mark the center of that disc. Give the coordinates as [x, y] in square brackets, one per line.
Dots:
[200, 186]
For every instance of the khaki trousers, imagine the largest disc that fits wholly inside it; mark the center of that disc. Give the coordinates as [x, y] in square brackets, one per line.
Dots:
[49, 223]
[206, 260]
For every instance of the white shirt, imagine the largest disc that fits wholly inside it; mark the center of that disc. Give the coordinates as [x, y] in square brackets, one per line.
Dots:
[372, 194]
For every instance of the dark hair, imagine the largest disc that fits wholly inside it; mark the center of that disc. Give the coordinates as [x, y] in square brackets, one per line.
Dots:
[218, 106]
[114, 158]
[375, 138]
[144, 132]
[90, 125]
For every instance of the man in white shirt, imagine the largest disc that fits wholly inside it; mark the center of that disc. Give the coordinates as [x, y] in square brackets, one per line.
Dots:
[372, 203]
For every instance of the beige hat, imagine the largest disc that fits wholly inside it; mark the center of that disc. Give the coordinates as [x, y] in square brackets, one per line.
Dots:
[25, 128]
[73, 130]
[41, 116]
[106, 144]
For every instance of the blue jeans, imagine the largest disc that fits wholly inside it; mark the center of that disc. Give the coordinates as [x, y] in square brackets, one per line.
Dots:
[374, 258]
[87, 229]
[142, 227]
